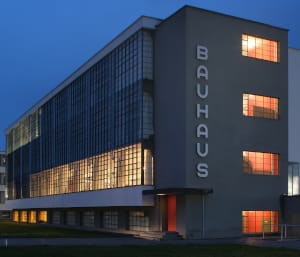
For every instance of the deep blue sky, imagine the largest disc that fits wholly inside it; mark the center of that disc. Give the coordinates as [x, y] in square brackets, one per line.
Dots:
[44, 41]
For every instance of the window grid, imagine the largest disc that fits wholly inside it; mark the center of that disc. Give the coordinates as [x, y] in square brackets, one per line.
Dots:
[110, 219]
[32, 217]
[15, 216]
[261, 163]
[99, 112]
[260, 48]
[43, 216]
[119, 168]
[260, 221]
[23, 216]
[138, 221]
[260, 106]
[88, 219]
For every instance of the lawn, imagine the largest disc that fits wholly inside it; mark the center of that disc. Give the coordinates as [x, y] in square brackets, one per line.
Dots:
[12, 229]
[149, 251]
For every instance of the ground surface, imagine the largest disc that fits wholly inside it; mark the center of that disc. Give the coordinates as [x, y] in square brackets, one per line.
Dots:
[23, 240]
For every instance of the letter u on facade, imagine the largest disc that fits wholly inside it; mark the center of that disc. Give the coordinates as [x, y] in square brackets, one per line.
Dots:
[202, 152]
[201, 94]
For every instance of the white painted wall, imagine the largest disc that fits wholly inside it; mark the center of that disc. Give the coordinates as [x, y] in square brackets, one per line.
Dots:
[129, 196]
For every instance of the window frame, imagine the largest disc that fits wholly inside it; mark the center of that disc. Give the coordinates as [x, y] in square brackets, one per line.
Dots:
[275, 172]
[260, 53]
[266, 114]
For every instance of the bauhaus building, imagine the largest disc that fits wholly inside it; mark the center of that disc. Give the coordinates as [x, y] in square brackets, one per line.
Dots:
[175, 125]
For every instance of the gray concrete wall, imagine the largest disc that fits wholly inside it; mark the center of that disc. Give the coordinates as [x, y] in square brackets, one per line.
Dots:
[294, 105]
[229, 133]
[170, 105]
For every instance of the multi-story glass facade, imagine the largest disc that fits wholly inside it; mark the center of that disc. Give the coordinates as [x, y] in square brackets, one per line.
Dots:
[95, 133]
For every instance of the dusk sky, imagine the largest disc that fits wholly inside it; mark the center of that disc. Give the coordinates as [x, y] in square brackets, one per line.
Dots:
[44, 41]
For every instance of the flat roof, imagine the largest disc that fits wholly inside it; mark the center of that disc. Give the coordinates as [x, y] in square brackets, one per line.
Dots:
[142, 22]
[221, 14]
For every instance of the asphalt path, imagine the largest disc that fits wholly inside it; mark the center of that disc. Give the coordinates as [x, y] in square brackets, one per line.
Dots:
[120, 241]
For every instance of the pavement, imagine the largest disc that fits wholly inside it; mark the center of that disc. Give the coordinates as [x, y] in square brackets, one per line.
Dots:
[121, 241]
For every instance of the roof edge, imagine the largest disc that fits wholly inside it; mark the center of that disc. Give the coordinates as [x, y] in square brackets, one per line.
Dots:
[140, 23]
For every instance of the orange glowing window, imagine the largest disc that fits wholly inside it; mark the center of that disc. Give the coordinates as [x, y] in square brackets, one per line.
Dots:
[260, 48]
[32, 217]
[43, 217]
[261, 163]
[23, 216]
[16, 216]
[260, 106]
[260, 221]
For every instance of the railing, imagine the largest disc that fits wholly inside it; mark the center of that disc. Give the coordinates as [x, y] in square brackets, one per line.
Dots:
[283, 230]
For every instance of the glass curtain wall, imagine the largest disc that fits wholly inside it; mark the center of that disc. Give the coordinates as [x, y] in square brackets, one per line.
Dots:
[94, 134]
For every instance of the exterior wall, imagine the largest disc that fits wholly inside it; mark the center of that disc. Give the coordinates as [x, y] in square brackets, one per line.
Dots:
[294, 121]
[294, 105]
[230, 75]
[104, 108]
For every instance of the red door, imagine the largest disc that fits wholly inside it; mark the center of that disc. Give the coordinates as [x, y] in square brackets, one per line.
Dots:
[171, 213]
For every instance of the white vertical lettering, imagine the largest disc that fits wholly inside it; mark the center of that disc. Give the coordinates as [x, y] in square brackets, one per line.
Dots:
[202, 170]
[199, 93]
[202, 111]
[202, 52]
[202, 72]
[202, 130]
[199, 150]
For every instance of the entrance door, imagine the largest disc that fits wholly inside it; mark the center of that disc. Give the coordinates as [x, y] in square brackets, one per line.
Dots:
[172, 213]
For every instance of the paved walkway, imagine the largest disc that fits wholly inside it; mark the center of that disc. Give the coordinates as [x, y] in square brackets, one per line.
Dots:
[293, 244]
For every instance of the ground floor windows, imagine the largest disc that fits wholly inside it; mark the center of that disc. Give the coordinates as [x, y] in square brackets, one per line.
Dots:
[32, 217]
[15, 216]
[56, 218]
[71, 218]
[260, 221]
[43, 217]
[88, 219]
[261, 163]
[110, 219]
[138, 221]
[23, 216]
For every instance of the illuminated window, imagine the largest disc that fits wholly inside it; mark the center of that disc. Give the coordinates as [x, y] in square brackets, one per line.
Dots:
[260, 163]
[260, 48]
[43, 217]
[16, 216]
[23, 216]
[260, 106]
[121, 167]
[260, 221]
[32, 217]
